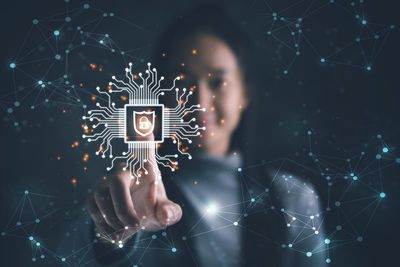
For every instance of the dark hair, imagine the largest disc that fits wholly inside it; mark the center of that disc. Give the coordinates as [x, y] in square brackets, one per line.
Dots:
[211, 19]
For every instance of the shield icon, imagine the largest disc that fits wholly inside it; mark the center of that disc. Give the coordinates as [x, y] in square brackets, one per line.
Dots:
[143, 122]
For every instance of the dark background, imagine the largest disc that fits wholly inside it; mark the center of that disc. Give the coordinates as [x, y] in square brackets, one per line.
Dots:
[344, 106]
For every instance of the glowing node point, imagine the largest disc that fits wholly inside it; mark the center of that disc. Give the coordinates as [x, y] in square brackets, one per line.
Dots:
[12, 65]
[309, 254]
[327, 241]
[235, 223]
[382, 195]
[173, 250]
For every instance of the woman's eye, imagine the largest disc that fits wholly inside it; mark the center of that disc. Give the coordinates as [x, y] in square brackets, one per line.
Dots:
[216, 83]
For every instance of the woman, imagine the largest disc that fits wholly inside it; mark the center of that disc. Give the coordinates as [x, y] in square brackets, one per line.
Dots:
[207, 213]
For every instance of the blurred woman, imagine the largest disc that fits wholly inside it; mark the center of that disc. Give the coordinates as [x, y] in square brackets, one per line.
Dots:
[207, 203]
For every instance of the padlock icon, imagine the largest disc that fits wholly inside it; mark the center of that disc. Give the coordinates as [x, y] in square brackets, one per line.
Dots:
[144, 123]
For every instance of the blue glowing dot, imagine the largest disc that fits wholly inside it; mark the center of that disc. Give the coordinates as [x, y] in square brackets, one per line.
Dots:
[164, 234]
[328, 260]
[378, 156]
[364, 22]
[310, 154]
[40, 82]
[18, 223]
[309, 254]
[56, 32]
[10, 110]
[12, 65]
[42, 256]
[57, 57]
[322, 60]
[86, 6]
[382, 195]
[153, 236]
[83, 43]
[358, 39]
[283, 246]
[309, 132]
[379, 136]
[239, 169]
[26, 192]
[3, 233]
[35, 21]
[339, 227]
[63, 259]
[332, 1]
[16, 124]
[391, 27]
[385, 150]
[31, 238]
[101, 41]
[327, 241]
[297, 53]
[122, 53]
[37, 244]
[337, 203]
[33, 259]
[285, 72]
[355, 178]
[37, 220]
[184, 238]
[359, 238]
[173, 250]
[398, 160]
[17, 103]
[252, 199]
[67, 19]
[368, 67]
[266, 189]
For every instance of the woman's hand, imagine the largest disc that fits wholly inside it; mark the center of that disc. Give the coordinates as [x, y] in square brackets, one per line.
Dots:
[120, 207]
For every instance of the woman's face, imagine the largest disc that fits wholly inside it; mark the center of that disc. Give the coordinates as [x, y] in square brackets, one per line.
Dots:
[209, 64]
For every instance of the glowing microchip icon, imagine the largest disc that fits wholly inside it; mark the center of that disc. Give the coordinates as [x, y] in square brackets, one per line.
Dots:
[142, 120]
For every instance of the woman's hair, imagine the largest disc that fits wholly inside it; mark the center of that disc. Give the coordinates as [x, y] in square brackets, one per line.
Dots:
[211, 19]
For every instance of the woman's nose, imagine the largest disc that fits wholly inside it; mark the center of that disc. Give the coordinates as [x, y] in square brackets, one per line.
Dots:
[204, 95]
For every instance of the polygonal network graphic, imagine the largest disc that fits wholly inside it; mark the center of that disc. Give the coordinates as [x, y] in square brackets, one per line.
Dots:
[143, 123]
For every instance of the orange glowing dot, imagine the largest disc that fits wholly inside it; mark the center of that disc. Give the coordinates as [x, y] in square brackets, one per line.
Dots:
[93, 98]
[222, 121]
[85, 157]
[194, 51]
[224, 83]
[85, 168]
[124, 98]
[163, 54]
[109, 87]
[92, 66]
[81, 84]
[100, 69]
[213, 96]
[209, 74]
[234, 153]
[58, 157]
[76, 143]
[135, 76]
[74, 181]
[182, 76]
[195, 182]
[183, 64]
[199, 145]
[212, 108]
[240, 106]
[104, 177]
[212, 134]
